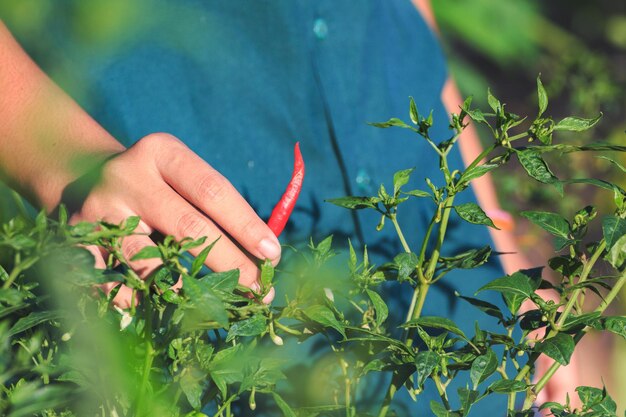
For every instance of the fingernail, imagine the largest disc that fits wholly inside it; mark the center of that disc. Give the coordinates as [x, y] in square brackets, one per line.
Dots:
[255, 287]
[270, 296]
[269, 248]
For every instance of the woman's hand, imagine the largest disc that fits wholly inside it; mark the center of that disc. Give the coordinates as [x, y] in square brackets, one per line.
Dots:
[176, 193]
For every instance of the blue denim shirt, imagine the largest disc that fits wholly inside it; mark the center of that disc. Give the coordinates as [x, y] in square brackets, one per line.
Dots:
[240, 81]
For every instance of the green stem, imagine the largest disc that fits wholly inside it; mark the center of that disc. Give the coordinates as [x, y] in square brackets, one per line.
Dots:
[415, 311]
[605, 303]
[429, 231]
[225, 405]
[434, 257]
[148, 358]
[17, 270]
[480, 157]
[441, 390]
[388, 398]
[583, 277]
[600, 309]
[287, 329]
[405, 245]
[516, 137]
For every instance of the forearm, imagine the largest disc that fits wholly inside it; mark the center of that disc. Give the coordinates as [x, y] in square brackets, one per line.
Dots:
[46, 139]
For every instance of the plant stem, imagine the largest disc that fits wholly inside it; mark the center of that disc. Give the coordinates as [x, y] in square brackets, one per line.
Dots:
[583, 277]
[149, 355]
[600, 309]
[405, 246]
[287, 329]
[480, 157]
[603, 305]
[416, 310]
[441, 390]
[17, 270]
[434, 257]
[225, 405]
[391, 391]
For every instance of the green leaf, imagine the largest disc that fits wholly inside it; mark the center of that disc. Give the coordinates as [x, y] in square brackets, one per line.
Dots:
[393, 122]
[253, 326]
[467, 398]
[221, 281]
[192, 389]
[483, 367]
[406, 263]
[227, 367]
[284, 407]
[576, 124]
[550, 222]
[401, 178]
[425, 362]
[324, 316]
[487, 308]
[355, 203]
[197, 263]
[506, 386]
[436, 323]
[596, 399]
[613, 229]
[613, 324]
[572, 321]
[477, 171]
[207, 306]
[560, 348]
[440, 411]
[617, 255]
[477, 116]
[536, 168]
[472, 213]
[543, 97]
[417, 193]
[565, 265]
[147, 252]
[514, 288]
[596, 183]
[413, 114]
[493, 102]
[614, 162]
[267, 274]
[32, 320]
[517, 283]
[131, 223]
[467, 260]
[379, 306]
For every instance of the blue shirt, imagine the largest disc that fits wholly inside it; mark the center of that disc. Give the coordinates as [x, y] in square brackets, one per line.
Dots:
[239, 82]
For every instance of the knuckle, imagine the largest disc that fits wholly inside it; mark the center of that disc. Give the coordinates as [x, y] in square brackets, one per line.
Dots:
[212, 187]
[132, 247]
[157, 142]
[248, 227]
[191, 224]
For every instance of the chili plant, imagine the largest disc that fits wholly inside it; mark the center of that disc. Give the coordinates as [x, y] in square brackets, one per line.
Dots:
[213, 348]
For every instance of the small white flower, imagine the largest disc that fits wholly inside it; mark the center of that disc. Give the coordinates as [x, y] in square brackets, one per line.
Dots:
[126, 318]
[329, 294]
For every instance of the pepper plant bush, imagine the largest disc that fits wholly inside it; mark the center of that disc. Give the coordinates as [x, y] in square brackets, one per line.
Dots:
[212, 348]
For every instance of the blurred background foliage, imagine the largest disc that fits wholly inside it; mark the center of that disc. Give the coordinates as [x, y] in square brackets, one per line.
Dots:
[578, 46]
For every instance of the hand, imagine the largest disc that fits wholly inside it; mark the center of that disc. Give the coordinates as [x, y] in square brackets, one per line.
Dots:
[176, 193]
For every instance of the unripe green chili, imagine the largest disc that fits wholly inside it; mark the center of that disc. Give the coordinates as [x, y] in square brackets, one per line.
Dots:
[285, 206]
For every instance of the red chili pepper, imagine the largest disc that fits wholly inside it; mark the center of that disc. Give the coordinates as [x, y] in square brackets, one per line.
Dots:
[285, 206]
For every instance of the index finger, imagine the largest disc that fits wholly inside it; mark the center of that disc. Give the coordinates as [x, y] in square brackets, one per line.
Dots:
[208, 190]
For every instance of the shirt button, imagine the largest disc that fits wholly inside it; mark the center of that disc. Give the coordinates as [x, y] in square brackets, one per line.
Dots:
[320, 28]
[363, 181]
